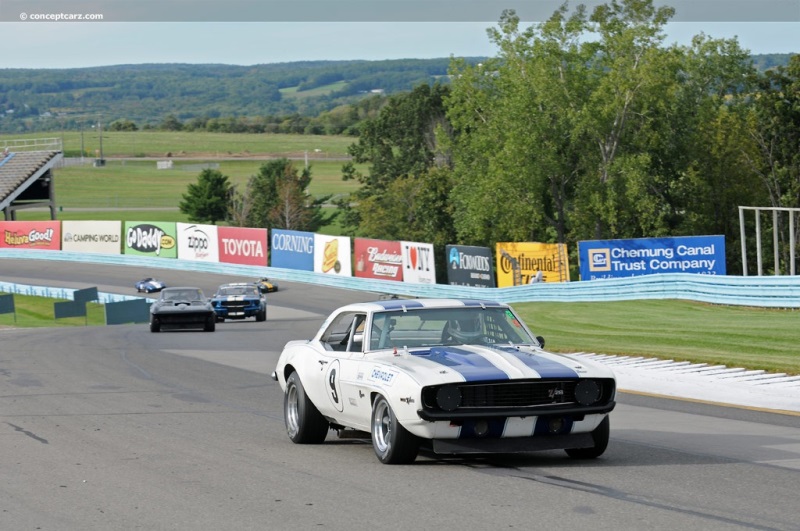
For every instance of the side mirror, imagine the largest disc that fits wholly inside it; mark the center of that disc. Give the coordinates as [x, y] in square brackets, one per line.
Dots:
[540, 339]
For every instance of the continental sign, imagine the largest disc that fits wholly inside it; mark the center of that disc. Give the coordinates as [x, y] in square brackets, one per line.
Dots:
[520, 263]
[647, 256]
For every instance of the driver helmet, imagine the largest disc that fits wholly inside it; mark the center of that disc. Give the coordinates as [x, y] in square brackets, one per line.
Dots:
[466, 329]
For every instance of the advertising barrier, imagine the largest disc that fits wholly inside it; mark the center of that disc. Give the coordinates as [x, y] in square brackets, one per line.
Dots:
[530, 262]
[332, 255]
[418, 263]
[378, 259]
[469, 266]
[156, 238]
[292, 249]
[91, 236]
[30, 235]
[647, 256]
[244, 246]
[197, 242]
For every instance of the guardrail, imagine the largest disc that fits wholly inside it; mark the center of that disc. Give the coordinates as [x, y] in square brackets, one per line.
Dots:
[32, 144]
[768, 292]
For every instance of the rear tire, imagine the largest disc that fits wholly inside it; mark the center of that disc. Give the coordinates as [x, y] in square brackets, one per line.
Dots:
[600, 437]
[393, 444]
[304, 423]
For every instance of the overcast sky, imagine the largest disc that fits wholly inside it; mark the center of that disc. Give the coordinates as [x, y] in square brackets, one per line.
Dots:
[72, 44]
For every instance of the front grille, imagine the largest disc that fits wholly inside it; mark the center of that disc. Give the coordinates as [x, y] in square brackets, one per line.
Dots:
[234, 306]
[510, 395]
[517, 395]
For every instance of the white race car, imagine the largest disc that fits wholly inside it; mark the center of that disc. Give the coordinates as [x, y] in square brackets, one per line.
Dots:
[449, 376]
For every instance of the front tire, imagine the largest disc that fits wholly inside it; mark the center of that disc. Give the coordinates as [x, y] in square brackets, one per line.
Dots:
[393, 444]
[600, 437]
[304, 423]
[155, 326]
[261, 316]
[211, 324]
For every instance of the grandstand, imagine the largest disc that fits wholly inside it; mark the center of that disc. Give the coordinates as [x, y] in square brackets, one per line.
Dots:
[26, 176]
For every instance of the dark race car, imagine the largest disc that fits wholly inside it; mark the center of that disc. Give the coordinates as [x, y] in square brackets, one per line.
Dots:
[178, 308]
[239, 301]
[149, 285]
[266, 285]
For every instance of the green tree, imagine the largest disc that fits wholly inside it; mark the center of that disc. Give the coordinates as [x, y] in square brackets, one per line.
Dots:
[277, 197]
[401, 147]
[586, 126]
[207, 201]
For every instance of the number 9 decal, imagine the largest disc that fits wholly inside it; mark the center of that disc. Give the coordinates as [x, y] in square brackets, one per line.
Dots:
[333, 386]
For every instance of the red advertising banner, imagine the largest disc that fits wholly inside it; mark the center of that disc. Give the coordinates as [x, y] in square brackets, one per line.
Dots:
[30, 235]
[378, 259]
[244, 246]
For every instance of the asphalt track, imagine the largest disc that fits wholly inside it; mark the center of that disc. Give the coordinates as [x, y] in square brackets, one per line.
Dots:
[117, 428]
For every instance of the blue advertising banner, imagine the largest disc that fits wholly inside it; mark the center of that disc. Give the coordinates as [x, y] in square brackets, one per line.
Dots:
[646, 256]
[292, 249]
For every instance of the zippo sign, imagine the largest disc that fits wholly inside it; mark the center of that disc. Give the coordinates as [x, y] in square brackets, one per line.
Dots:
[30, 235]
[418, 265]
[378, 259]
[156, 238]
[197, 242]
[292, 249]
[242, 246]
[646, 256]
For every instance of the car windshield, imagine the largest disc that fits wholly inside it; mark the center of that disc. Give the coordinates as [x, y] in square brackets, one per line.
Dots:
[226, 291]
[182, 295]
[429, 327]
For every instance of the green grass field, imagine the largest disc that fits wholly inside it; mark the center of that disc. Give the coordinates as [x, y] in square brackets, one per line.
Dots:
[38, 312]
[136, 189]
[754, 338]
[197, 144]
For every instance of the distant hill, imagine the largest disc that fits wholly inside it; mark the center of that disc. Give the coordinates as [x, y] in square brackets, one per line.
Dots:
[56, 99]
[48, 99]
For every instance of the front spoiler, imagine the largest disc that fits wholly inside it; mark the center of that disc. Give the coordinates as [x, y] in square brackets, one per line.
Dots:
[512, 444]
[536, 411]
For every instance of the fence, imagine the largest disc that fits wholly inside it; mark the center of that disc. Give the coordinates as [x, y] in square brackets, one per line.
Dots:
[767, 292]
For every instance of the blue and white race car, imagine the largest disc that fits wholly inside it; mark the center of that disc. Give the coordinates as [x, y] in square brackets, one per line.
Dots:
[149, 285]
[239, 301]
[451, 376]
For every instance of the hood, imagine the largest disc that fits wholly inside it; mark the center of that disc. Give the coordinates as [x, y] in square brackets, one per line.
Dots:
[472, 363]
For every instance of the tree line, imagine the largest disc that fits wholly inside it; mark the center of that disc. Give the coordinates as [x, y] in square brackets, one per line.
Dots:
[585, 126]
[48, 99]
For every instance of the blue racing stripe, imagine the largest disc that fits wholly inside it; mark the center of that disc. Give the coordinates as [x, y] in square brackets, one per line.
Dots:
[545, 367]
[473, 367]
[397, 304]
[480, 303]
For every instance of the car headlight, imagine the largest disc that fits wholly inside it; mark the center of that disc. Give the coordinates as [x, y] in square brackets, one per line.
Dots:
[587, 392]
[448, 397]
